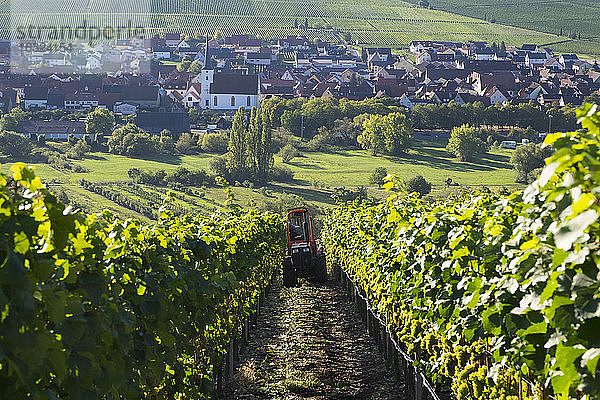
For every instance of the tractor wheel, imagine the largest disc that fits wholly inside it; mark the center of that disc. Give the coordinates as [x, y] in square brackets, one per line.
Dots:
[320, 268]
[289, 273]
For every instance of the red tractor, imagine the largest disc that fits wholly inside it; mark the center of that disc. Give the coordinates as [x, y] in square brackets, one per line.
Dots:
[302, 259]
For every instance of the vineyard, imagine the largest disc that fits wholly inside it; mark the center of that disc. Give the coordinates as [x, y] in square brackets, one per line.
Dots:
[494, 297]
[569, 16]
[377, 22]
[97, 307]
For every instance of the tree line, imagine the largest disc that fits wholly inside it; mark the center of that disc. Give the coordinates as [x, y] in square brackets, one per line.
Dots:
[304, 117]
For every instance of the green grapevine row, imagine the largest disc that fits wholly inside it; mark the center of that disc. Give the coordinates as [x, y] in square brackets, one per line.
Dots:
[486, 291]
[92, 306]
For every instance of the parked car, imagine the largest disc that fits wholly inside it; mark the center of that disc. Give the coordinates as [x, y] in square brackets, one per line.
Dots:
[508, 144]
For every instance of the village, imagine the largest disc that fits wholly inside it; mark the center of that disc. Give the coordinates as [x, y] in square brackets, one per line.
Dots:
[158, 80]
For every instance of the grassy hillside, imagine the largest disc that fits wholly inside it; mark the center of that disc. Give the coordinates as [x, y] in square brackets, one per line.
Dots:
[317, 177]
[379, 22]
[550, 16]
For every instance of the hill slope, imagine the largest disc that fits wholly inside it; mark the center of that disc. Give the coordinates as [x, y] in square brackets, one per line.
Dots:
[377, 22]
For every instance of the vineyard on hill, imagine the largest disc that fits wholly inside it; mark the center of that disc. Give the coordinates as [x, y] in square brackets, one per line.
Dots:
[375, 22]
[495, 297]
[92, 306]
[551, 16]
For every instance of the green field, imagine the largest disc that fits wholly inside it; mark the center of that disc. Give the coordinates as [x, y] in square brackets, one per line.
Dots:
[317, 176]
[376, 22]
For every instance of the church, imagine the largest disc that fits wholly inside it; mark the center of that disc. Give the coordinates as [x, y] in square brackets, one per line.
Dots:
[227, 90]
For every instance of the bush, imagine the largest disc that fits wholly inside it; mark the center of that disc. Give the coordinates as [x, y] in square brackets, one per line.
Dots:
[288, 153]
[343, 194]
[187, 177]
[185, 144]
[378, 176]
[14, 145]
[281, 173]
[419, 185]
[214, 142]
[281, 138]
[78, 150]
[218, 165]
[80, 169]
[130, 140]
[526, 159]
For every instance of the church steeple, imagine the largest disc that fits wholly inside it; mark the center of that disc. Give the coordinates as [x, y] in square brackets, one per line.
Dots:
[207, 55]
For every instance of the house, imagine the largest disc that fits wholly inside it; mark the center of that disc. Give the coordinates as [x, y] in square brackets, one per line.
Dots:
[93, 62]
[162, 53]
[144, 97]
[80, 101]
[553, 64]
[124, 108]
[484, 54]
[223, 123]
[567, 60]
[405, 102]
[244, 42]
[52, 129]
[496, 96]
[533, 60]
[258, 58]
[581, 66]
[549, 98]
[418, 46]
[171, 118]
[229, 91]
[35, 97]
[294, 43]
[425, 56]
[193, 96]
[172, 39]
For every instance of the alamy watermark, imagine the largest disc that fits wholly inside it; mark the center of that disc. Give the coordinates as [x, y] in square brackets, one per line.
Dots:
[84, 32]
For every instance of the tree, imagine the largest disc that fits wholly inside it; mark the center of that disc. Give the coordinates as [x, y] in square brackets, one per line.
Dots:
[79, 149]
[214, 142]
[372, 137]
[526, 159]
[253, 140]
[130, 140]
[218, 36]
[363, 55]
[465, 143]
[166, 143]
[419, 185]
[265, 150]
[378, 176]
[237, 146]
[398, 132]
[185, 144]
[8, 122]
[195, 68]
[14, 145]
[288, 153]
[388, 134]
[593, 98]
[99, 123]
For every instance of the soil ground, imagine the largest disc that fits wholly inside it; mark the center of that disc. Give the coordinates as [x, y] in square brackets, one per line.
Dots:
[310, 343]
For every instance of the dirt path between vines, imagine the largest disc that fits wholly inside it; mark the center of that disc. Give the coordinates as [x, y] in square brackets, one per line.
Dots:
[311, 344]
